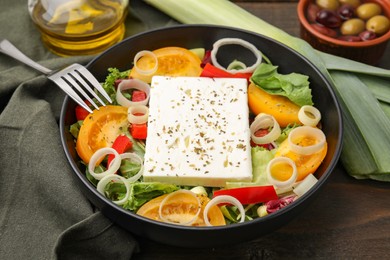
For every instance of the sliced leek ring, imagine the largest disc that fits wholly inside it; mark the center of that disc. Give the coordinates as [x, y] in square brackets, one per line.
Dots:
[236, 41]
[223, 199]
[132, 84]
[306, 132]
[138, 114]
[279, 183]
[265, 121]
[305, 185]
[309, 115]
[97, 156]
[141, 54]
[114, 177]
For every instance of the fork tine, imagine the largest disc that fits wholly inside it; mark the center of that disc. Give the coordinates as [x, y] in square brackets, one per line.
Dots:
[68, 90]
[86, 86]
[68, 77]
[87, 74]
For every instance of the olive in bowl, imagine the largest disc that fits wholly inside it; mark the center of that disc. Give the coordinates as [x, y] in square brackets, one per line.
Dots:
[354, 29]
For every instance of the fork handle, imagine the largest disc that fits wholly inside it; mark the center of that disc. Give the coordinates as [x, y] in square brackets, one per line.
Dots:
[9, 49]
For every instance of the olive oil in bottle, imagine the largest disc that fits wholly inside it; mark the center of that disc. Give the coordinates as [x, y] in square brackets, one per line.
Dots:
[79, 27]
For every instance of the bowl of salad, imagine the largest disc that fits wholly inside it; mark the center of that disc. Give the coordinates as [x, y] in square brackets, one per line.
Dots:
[214, 136]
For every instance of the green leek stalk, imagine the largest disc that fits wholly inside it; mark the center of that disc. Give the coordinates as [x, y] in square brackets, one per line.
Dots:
[363, 90]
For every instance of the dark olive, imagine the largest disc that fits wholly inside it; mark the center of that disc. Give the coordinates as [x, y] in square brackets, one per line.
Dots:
[346, 12]
[324, 30]
[328, 18]
[312, 10]
[367, 35]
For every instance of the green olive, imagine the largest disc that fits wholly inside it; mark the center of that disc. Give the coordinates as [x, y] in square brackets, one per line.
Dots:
[354, 3]
[352, 26]
[368, 10]
[328, 4]
[378, 24]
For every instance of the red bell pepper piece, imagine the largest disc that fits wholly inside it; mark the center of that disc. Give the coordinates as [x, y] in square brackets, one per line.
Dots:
[82, 113]
[260, 133]
[138, 95]
[121, 144]
[250, 195]
[206, 58]
[139, 131]
[211, 71]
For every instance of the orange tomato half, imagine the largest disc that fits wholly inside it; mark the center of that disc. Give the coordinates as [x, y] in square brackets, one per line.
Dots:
[306, 164]
[100, 129]
[180, 210]
[281, 108]
[172, 61]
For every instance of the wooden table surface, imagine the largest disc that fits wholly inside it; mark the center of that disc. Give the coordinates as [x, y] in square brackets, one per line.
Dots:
[349, 219]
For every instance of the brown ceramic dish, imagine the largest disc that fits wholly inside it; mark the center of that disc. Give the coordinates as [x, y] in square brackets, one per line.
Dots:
[369, 52]
[192, 36]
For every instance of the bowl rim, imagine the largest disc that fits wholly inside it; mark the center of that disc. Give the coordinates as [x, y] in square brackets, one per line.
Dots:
[321, 181]
[301, 9]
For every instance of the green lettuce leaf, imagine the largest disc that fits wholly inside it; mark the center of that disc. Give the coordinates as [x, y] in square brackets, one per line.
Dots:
[74, 129]
[140, 192]
[109, 83]
[260, 160]
[294, 86]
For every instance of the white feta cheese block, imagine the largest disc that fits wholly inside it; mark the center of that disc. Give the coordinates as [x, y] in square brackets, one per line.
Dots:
[198, 131]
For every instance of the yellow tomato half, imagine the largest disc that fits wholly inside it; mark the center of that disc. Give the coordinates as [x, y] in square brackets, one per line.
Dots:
[281, 108]
[306, 164]
[100, 129]
[172, 61]
[181, 210]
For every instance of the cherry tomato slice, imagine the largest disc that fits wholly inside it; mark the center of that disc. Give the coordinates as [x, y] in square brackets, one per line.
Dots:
[281, 108]
[179, 208]
[172, 61]
[305, 164]
[100, 129]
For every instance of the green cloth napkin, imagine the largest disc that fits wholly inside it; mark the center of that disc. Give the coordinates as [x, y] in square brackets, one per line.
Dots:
[43, 214]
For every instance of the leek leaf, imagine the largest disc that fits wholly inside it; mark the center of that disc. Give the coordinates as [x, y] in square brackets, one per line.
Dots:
[370, 121]
[386, 108]
[338, 63]
[380, 87]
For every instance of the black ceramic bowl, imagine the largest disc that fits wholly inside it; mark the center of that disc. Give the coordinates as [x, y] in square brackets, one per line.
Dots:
[120, 56]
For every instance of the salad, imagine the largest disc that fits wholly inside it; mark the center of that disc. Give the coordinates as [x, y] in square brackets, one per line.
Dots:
[124, 145]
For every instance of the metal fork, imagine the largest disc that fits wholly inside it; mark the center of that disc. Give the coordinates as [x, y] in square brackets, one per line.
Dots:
[74, 77]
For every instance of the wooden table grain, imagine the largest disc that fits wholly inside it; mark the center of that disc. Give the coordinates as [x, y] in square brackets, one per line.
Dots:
[349, 218]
